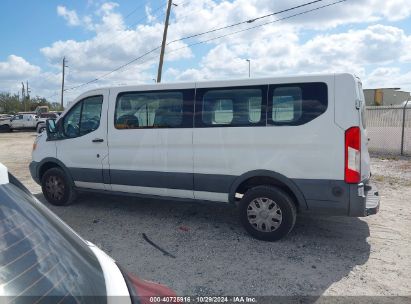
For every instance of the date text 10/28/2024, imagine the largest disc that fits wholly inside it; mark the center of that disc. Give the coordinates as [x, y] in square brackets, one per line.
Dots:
[203, 299]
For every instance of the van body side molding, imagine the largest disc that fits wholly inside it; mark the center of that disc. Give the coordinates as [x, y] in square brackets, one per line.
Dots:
[267, 173]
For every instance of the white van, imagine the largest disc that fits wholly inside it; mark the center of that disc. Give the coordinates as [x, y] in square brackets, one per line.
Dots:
[273, 147]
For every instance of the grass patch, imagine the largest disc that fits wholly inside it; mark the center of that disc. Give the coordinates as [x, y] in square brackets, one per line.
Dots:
[379, 178]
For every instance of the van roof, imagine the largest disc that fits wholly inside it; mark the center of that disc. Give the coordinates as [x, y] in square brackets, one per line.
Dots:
[251, 81]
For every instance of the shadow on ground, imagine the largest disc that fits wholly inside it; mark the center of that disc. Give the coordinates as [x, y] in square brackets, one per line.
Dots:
[213, 254]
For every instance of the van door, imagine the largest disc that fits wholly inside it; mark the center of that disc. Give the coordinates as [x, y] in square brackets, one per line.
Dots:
[150, 142]
[29, 121]
[17, 122]
[365, 156]
[225, 144]
[83, 148]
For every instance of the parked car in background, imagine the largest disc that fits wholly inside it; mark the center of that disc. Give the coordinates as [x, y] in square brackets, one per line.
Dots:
[5, 122]
[50, 115]
[22, 121]
[44, 260]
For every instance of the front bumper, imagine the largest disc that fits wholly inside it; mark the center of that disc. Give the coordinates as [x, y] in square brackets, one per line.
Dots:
[364, 199]
[34, 171]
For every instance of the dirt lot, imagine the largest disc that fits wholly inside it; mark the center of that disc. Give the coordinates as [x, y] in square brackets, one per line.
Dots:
[214, 256]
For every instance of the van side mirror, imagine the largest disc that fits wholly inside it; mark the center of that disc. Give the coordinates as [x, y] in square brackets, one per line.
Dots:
[51, 129]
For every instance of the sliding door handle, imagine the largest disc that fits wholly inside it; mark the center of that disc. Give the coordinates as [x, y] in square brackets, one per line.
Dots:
[97, 140]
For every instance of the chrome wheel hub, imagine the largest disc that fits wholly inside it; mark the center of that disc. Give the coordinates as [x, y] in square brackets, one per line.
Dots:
[264, 214]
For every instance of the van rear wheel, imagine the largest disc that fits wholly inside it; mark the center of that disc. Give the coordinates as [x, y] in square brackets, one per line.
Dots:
[267, 213]
[57, 188]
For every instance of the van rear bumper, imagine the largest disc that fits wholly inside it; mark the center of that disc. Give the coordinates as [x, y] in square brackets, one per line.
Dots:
[337, 198]
[364, 199]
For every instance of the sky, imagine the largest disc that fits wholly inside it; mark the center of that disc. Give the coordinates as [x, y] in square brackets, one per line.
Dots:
[369, 38]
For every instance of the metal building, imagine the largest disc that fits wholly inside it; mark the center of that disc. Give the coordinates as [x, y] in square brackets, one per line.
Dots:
[385, 96]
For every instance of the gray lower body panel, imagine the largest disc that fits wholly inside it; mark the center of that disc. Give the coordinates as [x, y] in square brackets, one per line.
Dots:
[33, 167]
[332, 197]
[364, 199]
[325, 196]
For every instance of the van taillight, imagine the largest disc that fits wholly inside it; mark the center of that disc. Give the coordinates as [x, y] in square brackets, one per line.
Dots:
[352, 166]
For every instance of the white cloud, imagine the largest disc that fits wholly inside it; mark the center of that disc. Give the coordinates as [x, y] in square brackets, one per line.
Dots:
[107, 8]
[279, 52]
[69, 15]
[16, 68]
[274, 49]
[374, 52]
[149, 14]
[388, 77]
[112, 46]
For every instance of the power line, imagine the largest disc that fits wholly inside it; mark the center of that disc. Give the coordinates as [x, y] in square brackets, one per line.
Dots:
[134, 10]
[263, 24]
[112, 71]
[124, 33]
[246, 21]
[153, 14]
[215, 38]
[55, 94]
[247, 29]
[250, 28]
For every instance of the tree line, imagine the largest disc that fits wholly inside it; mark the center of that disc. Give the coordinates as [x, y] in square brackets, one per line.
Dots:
[11, 104]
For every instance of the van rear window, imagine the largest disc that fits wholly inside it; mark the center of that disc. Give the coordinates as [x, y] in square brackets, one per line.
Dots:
[296, 104]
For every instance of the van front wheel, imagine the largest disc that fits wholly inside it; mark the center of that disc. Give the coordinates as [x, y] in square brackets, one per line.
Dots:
[57, 188]
[267, 213]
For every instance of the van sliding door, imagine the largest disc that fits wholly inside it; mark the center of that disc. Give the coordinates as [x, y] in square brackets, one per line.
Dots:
[150, 142]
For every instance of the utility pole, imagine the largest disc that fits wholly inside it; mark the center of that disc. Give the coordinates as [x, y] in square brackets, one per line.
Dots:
[62, 82]
[27, 90]
[27, 96]
[163, 43]
[23, 95]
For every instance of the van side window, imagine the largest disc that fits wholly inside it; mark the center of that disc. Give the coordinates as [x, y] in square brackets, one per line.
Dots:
[232, 107]
[90, 115]
[223, 111]
[296, 104]
[83, 118]
[287, 103]
[142, 110]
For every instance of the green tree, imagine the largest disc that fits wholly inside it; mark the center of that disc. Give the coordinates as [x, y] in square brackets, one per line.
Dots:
[9, 104]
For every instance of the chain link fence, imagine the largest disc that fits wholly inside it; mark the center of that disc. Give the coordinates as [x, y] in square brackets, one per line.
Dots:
[389, 129]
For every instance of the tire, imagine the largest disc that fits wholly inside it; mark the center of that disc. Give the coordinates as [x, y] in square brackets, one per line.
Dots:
[40, 128]
[57, 188]
[5, 128]
[275, 213]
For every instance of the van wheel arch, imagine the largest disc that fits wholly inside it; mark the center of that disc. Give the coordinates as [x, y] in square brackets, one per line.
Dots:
[49, 163]
[257, 178]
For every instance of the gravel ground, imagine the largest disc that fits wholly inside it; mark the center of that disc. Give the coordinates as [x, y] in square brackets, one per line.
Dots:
[214, 256]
